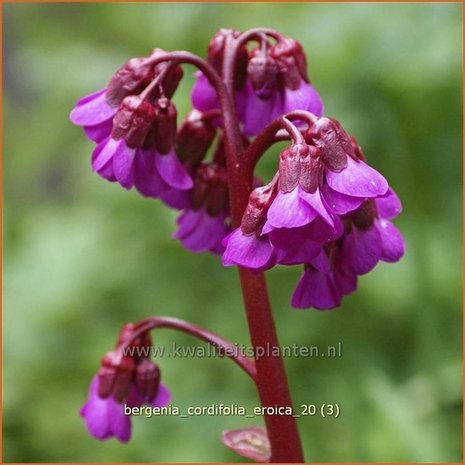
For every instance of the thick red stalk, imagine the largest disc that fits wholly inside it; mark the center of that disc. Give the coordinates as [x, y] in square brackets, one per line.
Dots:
[272, 383]
[271, 377]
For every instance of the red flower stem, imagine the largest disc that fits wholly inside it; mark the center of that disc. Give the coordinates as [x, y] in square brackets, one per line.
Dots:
[226, 348]
[272, 383]
[271, 377]
[272, 134]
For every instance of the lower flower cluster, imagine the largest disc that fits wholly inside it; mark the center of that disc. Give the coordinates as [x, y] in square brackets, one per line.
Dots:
[131, 380]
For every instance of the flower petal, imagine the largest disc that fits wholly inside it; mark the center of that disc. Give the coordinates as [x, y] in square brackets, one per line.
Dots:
[248, 251]
[258, 112]
[305, 97]
[357, 179]
[177, 199]
[315, 201]
[163, 397]
[316, 289]
[123, 164]
[288, 211]
[203, 94]
[361, 250]
[393, 246]
[345, 283]
[389, 205]
[321, 262]
[173, 171]
[99, 132]
[200, 232]
[340, 203]
[120, 423]
[92, 109]
[103, 153]
[294, 244]
[146, 177]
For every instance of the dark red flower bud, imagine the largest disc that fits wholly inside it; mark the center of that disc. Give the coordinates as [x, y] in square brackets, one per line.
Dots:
[165, 125]
[130, 79]
[171, 80]
[334, 143]
[255, 213]
[364, 216]
[216, 48]
[147, 379]
[263, 71]
[311, 172]
[291, 61]
[357, 149]
[216, 54]
[133, 121]
[211, 188]
[289, 166]
[194, 138]
[173, 76]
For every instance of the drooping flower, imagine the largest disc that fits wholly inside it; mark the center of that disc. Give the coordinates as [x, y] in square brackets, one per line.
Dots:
[371, 236]
[106, 418]
[131, 155]
[298, 201]
[323, 284]
[123, 382]
[347, 179]
[368, 238]
[247, 246]
[95, 112]
[205, 222]
[95, 115]
[275, 83]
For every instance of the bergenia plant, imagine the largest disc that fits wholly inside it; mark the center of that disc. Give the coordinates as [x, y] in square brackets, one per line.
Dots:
[325, 209]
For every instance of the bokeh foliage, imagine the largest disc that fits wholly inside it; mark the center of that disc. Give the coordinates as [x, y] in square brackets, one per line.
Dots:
[83, 256]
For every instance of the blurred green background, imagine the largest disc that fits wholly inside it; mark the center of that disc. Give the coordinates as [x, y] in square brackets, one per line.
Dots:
[83, 256]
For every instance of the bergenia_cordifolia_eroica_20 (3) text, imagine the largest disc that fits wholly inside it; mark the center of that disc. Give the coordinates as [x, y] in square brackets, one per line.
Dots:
[326, 209]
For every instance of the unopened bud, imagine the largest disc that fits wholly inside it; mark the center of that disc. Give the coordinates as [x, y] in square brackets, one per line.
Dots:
[172, 77]
[217, 194]
[364, 216]
[194, 138]
[255, 213]
[130, 79]
[147, 379]
[333, 142]
[291, 62]
[263, 72]
[211, 188]
[133, 121]
[165, 125]
[215, 56]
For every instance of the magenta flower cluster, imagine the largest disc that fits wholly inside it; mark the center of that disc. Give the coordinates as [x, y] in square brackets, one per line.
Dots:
[130, 380]
[325, 209]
